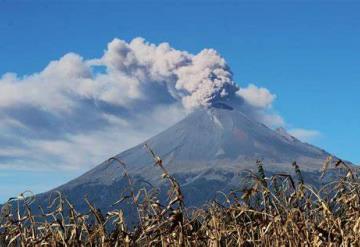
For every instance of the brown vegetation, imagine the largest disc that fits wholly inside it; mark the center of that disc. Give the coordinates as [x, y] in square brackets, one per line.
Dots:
[272, 211]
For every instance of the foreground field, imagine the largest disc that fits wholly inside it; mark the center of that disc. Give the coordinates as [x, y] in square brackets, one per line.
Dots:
[280, 210]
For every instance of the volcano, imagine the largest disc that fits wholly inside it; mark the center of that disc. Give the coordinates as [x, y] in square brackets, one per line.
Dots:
[205, 152]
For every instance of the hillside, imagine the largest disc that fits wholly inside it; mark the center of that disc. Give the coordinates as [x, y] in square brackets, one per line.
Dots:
[205, 151]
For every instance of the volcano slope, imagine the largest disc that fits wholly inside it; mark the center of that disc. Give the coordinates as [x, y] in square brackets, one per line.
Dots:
[205, 152]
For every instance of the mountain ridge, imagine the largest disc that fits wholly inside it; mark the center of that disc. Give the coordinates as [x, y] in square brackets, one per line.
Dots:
[219, 139]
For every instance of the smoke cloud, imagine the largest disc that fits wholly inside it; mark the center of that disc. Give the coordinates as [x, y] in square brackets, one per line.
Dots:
[77, 112]
[143, 71]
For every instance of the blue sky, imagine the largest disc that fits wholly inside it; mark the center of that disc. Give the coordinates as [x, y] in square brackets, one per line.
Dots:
[306, 53]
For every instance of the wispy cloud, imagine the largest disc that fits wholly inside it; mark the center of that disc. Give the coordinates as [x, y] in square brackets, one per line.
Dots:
[305, 135]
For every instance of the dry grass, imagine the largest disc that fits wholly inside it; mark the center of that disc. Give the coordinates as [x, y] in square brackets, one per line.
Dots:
[272, 211]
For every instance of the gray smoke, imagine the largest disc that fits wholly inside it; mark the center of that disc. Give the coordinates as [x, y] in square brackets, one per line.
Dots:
[77, 112]
[196, 80]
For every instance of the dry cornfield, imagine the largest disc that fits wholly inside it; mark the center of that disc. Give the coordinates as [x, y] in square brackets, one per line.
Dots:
[280, 210]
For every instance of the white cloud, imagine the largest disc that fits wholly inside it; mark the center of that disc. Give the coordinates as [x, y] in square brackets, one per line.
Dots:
[84, 149]
[257, 96]
[56, 117]
[304, 135]
[258, 105]
[271, 119]
[71, 115]
[135, 72]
